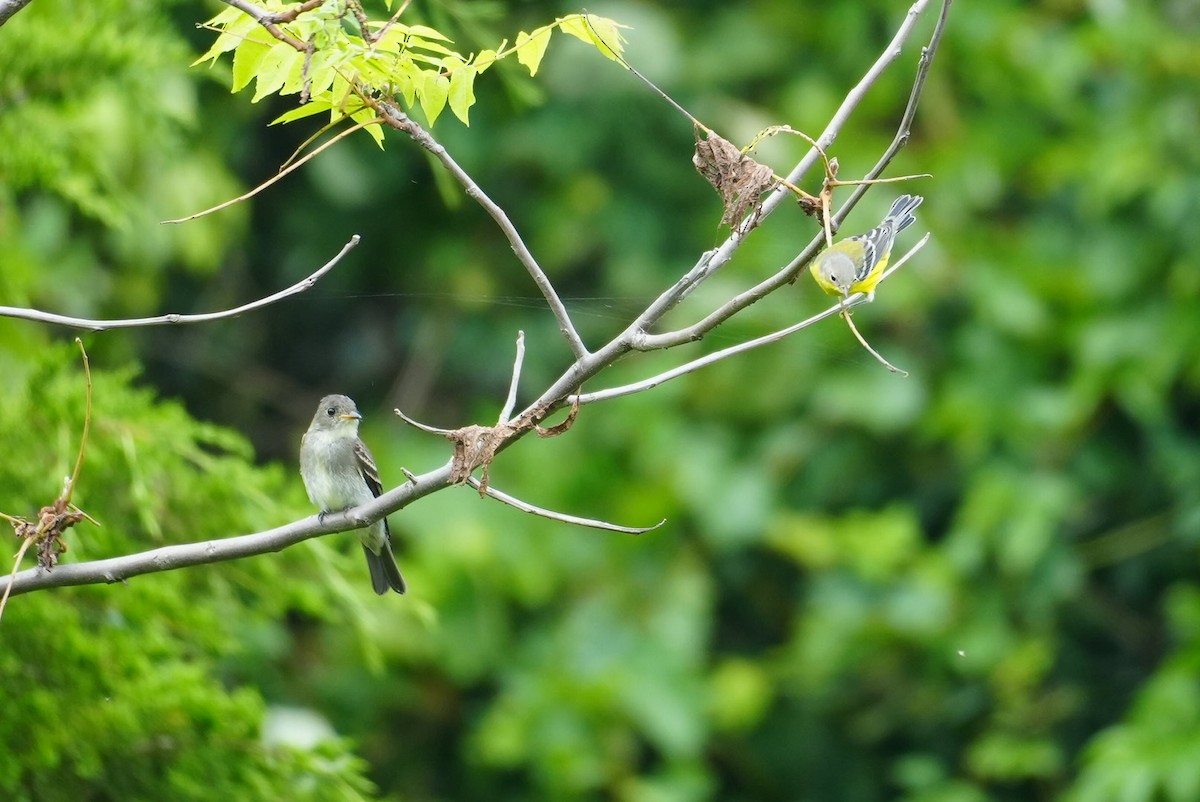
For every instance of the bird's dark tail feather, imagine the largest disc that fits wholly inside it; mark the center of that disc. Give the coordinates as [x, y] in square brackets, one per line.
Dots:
[385, 574]
[902, 211]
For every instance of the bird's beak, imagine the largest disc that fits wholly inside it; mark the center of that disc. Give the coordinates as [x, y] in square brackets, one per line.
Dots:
[350, 416]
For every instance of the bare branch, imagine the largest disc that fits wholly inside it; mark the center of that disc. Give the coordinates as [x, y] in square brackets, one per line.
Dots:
[733, 350]
[423, 427]
[269, 22]
[167, 558]
[636, 335]
[714, 260]
[715, 356]
[563, 390]
[910, 253]
[174, 319]
[402, 122]
[591, 523]
[788, 274]
[292, 13]
[904, 129]
[10, 7]
[511, 401]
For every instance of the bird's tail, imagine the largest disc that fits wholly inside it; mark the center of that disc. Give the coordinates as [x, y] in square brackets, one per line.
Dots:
[901, 214]
[385, 574]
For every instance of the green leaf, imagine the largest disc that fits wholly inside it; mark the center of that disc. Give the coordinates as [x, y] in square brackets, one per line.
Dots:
[246, 59]
[300, 112]
[321, 72]
[428, 33]
[532, 46]
[275, 69]
[400, 38]
[407, 78]
[462, 91]
[433, 93]
[486, 58]
[234, 27]
[342, 96]
[601, 32]
[424, 44]
[375, 129]
[575, 25]
[296, 77]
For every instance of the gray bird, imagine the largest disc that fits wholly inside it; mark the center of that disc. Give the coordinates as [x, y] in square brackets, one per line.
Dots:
[339, 473]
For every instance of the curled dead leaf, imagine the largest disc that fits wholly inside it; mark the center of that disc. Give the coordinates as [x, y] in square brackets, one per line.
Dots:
[739, 179]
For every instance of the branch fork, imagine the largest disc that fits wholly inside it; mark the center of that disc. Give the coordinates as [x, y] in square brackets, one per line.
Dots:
[476, 446]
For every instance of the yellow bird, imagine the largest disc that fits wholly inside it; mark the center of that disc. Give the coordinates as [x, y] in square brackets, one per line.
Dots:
[856, 264]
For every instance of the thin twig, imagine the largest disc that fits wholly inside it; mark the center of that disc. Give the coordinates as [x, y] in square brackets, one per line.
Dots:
[53, 520]
[831, 168]
[402, 122]
[620, 59]
[591, 523]
[278, 176]
[511, 401]
[173, 319]
[360, 16]
[12, 578]
[87, 425]
[845, 315]
[395, 18]
[422, 426]
[861, 181]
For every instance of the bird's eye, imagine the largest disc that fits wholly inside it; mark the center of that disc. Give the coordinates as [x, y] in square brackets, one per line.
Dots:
[330, 411]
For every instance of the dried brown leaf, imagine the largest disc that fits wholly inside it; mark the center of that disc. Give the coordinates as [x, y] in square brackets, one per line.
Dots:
[475, 446]
[739, 179]
[556, 430]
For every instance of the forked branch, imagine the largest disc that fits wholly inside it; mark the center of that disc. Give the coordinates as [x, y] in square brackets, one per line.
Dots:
[565, 390]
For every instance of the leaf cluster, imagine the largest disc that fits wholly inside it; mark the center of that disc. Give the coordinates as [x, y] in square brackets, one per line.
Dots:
[342, 66]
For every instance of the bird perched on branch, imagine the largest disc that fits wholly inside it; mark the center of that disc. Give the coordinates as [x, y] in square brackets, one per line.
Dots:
[856, 264]
[339, 473]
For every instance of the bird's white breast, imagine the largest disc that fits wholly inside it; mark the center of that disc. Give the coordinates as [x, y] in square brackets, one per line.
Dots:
[332, 489]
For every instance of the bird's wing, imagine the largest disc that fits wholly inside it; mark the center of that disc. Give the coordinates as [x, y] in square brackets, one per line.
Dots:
[366, 466]
[877, 244]
[370, 475]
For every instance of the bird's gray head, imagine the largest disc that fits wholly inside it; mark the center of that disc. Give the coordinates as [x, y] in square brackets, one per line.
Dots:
[839, 269]
[337, 413]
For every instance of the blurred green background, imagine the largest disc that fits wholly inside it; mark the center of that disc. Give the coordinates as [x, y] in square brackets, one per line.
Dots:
[976, 583]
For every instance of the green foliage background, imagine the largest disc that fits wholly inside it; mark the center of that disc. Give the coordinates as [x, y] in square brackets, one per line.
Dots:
[976, 583]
